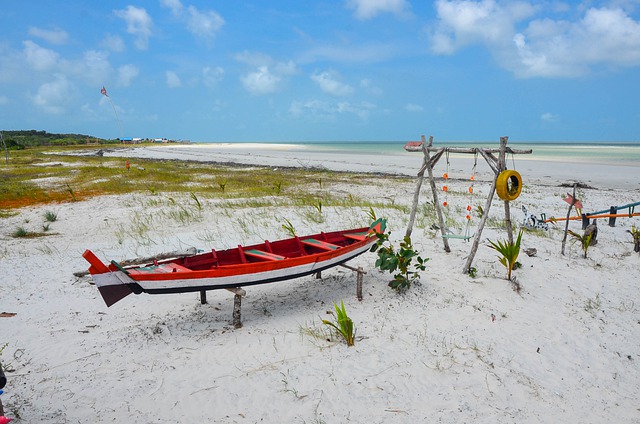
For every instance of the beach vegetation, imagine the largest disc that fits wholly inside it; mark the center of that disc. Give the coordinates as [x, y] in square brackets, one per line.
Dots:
[343, 325]
[195, 198]
[22, 232]
[473, 272]
[583, 239]
[635, 233]
[50, 216]
[509, 252]
[405, 263]
[289, 228]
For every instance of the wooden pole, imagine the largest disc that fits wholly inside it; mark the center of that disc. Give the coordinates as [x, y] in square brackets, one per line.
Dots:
[497, 168]
[237, 305]
[434, 190]
[566, 227]
[483, 221]
[502, 165]
[416, 194]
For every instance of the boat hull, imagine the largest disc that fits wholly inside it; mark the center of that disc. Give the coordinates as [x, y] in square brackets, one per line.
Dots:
[178, 276]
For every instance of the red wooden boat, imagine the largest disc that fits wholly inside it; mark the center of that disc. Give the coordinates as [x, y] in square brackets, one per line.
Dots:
[242, 266]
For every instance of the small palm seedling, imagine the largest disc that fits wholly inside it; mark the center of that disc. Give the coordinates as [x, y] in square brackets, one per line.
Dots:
[635, 233]
[583, 239]
[277, 187]
[400, 261]
[289, 228]
[509, 252]
[343, 325]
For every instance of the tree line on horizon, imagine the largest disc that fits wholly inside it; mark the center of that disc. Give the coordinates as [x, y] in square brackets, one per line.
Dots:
[21, 139]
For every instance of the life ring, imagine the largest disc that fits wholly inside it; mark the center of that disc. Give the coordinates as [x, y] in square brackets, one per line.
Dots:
[509, 185]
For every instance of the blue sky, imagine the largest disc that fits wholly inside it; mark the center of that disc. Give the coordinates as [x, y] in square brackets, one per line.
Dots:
[347, 70]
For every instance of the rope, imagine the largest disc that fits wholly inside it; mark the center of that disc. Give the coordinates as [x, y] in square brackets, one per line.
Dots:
[473, 180]
[445, 187]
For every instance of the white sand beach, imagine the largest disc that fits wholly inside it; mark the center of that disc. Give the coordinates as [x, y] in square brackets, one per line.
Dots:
[452, 349]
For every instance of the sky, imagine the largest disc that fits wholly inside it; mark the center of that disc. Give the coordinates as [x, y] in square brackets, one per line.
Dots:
[342, 70]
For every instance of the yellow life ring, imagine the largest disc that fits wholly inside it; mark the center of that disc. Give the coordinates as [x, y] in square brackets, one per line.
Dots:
[509, 185]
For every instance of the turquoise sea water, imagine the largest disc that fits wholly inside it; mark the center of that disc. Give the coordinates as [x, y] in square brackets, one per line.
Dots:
[627, 154]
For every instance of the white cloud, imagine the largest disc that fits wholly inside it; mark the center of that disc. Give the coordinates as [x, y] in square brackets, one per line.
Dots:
[410, 107]
[173, 80]
[326, 110]
[546, 47]
[463, 22]
[39, 58]
[269, 74]
[328, 82]
[113, 43]
[367, 9]
[126, 74]
[548, 117]
[212, 76]
[203, 24]
[261, 82]
[53, 96]
[608, 37]
[53, 36]
[94, 67]
[175, 6]
[139, 24]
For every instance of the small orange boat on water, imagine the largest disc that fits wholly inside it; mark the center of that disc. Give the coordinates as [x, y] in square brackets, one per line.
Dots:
[231, 268]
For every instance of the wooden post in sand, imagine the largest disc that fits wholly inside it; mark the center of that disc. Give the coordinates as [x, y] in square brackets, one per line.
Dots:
[566, 226]
[427, 165]
[237, 305]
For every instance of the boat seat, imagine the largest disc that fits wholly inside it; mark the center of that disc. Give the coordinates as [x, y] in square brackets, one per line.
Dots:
[267, 256]
[356, 236]
[324, 245]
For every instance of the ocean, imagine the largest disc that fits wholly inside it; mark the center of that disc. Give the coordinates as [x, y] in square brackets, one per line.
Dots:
[614, 153]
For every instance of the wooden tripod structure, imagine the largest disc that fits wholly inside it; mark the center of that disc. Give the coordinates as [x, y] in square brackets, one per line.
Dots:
[497, 165]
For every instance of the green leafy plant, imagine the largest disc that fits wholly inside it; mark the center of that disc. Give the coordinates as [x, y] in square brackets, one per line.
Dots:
[583, 239]
[343, 325]
[473, 272]
[223, 185]
[401, 261]
[277, 186]
[372, 214]
[635, 233]
[289, 228]
[509, 252]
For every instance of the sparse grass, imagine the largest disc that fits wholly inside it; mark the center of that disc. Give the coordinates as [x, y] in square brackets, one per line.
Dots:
[85, 176]
[50, 216]
[22, 232]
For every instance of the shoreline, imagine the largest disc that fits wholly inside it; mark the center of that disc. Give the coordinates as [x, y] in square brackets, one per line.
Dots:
[534, 170]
